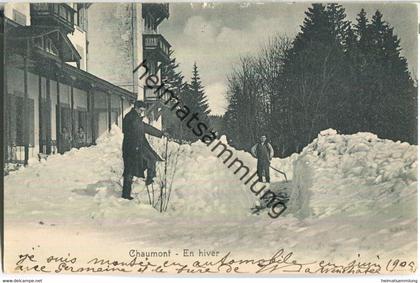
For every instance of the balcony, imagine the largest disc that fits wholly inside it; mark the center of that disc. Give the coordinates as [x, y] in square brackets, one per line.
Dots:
[160, 9]
[53, 14]
[155, 47]
[151, 94]
[154, 13]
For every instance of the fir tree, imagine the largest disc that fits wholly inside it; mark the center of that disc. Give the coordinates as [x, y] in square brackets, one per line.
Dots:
[198, 94]
[173, 81]
[335, 75]
[394, 86]
[231, 120]
[361, 29]
[339, 25]
[315, 73]
[195, 99]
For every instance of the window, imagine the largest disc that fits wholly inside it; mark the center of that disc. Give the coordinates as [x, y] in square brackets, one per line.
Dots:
[40, 7]
[39, 42]
[19, 17]
[81, 53]
[66, 118]
[50, 47]
[56, 8]
[45, 124]
[82, 119]
[64, 11]
[19, 118]
[80, 20]
[65, 132]
[149, 22]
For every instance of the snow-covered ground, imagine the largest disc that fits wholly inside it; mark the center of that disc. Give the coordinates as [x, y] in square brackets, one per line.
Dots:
[354, 194]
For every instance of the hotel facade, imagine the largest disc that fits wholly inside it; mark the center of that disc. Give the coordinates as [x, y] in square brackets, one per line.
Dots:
[68, 73]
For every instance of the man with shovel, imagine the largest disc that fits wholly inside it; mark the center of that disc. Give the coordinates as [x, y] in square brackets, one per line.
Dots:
[264, 152]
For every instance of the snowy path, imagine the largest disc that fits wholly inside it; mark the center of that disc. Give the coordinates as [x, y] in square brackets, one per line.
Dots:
[358, 195]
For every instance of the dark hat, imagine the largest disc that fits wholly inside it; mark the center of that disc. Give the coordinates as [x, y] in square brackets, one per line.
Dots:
[139, 104]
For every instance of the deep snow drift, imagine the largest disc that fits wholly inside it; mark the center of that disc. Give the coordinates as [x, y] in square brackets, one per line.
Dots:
[361, 175]
[353, 194]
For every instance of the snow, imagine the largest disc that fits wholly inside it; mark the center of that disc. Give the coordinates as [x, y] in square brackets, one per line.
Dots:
[350, 194]
[361, 174]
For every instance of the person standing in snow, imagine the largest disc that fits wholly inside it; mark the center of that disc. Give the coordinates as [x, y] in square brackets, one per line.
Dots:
[138, 155]
[264, 152]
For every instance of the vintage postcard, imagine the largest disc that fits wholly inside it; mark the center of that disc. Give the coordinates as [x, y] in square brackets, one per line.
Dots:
[210, 139]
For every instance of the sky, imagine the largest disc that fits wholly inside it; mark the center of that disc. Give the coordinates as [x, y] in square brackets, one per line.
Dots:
[216, 35]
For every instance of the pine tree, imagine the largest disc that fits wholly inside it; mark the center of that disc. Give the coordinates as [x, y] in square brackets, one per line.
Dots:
[315, 73]
[361, 30]
[383, 87]
[231, 122]
[198, 93]
[339, 25]
[245, 106]
[349, 77]
[351, 86]
[171, 77]
[338, 91]
[174, 81]
[195, 99]
[395, 86]
[358, 55]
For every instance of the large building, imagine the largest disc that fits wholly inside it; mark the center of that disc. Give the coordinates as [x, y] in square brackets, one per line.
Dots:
[69, 72]
[128, 34]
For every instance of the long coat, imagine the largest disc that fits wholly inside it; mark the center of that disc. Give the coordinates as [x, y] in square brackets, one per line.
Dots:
[138, 155]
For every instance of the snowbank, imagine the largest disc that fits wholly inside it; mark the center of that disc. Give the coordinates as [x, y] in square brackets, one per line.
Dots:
[351, 193]
[360, 174]
[340, 174]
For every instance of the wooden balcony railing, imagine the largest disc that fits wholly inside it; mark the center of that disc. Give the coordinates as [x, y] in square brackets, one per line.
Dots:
[158, 10]
[53, 14]
[151, 94]
[156, 46]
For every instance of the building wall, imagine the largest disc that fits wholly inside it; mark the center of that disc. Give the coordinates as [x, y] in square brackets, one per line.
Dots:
[78, 38]
[100, 113]
[116, 109]
[115, 42]
[115, 35]
[53, 94]
[127, 107]
[65, 94]
[22, 8]
[138, 58]
[80, 98]
[81, 119]
[15, 88]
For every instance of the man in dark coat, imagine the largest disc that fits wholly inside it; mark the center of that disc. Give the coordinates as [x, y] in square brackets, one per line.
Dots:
[264, 152]
[138, 155]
